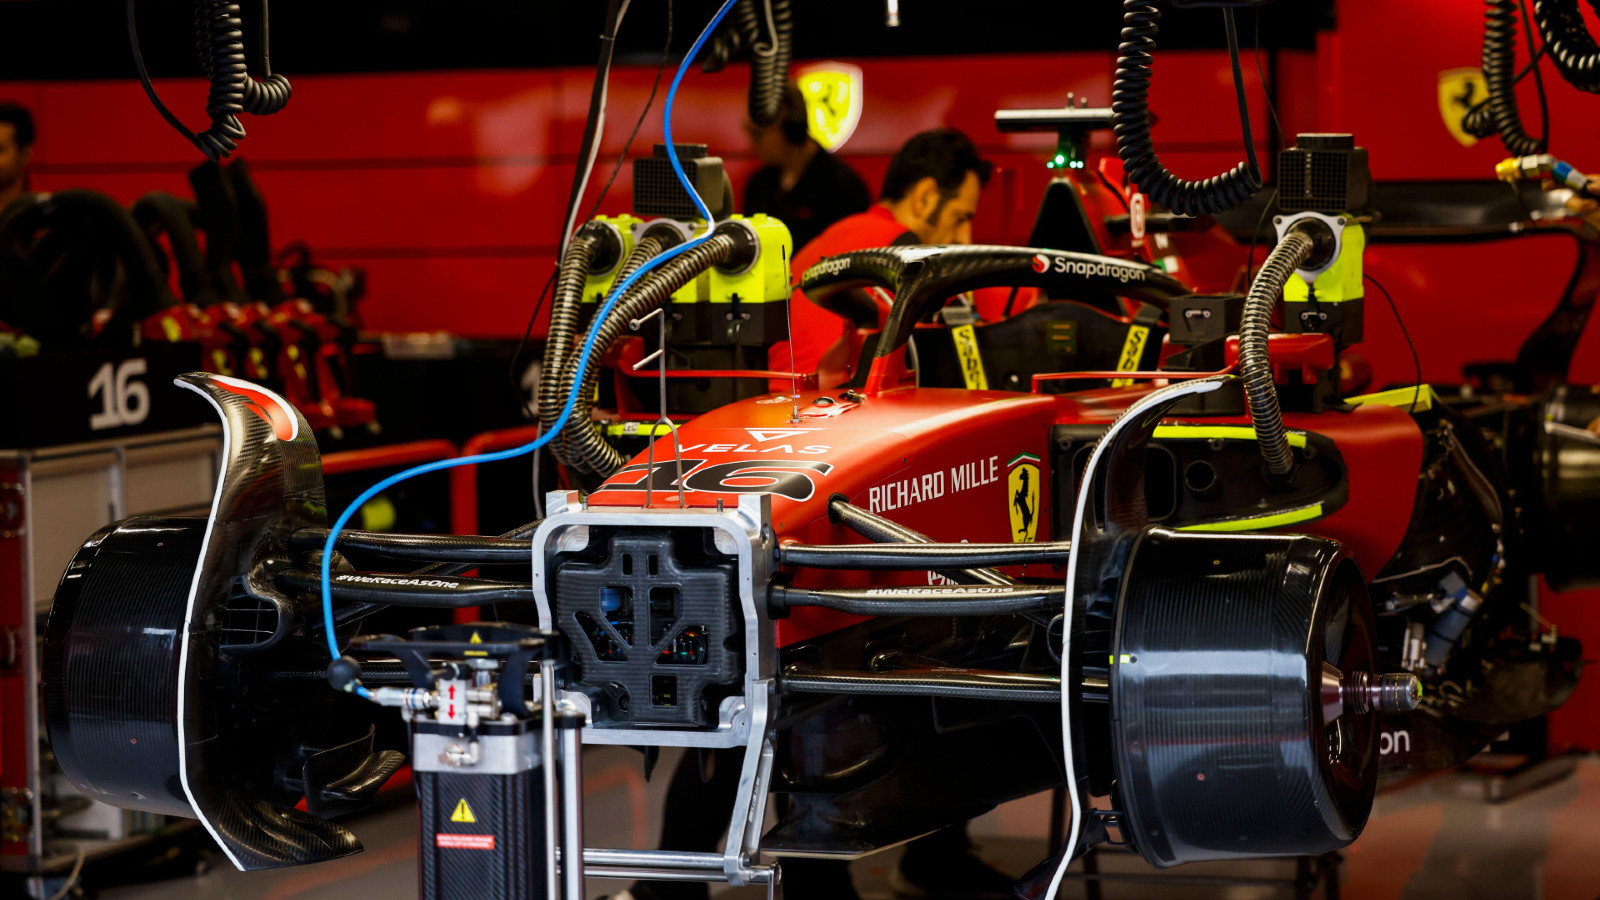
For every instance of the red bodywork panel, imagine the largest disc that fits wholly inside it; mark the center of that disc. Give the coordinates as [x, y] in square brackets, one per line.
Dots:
[938, 460]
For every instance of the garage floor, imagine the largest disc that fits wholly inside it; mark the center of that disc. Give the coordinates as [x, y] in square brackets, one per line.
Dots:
[1435, 838]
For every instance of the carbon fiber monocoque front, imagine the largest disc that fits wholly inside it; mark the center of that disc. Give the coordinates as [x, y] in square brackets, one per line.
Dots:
[653, 624]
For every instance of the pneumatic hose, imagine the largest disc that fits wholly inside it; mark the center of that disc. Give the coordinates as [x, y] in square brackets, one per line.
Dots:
[769, 65]
[1498, 114]
[1260, 392]
[769, 58]
[1130, 122]
[648, 246]
[1570, 45]
[564, 309]
[586, 448]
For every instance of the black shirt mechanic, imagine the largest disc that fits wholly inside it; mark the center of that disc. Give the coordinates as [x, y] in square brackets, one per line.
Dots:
[801, 184]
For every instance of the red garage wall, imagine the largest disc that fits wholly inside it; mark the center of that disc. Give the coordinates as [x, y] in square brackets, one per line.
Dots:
[449, 186]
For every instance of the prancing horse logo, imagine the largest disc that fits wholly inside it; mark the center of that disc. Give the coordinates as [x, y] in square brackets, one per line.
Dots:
[1022, 487]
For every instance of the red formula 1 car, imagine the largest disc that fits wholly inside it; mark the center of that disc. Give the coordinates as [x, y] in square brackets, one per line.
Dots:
[1215, 594]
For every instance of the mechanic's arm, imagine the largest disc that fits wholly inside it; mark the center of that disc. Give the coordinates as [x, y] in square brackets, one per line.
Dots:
[1586, 208]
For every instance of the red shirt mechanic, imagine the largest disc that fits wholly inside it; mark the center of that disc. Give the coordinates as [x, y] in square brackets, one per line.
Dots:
[930, 195]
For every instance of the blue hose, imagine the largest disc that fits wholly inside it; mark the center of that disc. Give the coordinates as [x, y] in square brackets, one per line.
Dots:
[552, 428]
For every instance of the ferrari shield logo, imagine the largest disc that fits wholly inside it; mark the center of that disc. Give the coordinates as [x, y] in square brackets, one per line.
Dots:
[832, 92]
[1459, 91]
[1022, 489]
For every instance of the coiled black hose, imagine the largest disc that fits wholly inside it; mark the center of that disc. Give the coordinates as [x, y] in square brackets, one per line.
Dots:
[1498, 114]
[1568, 41]
[1255, 366]
[1130, 122]
[769, 59]
[574, 270]
[586, 448]
[219, 40]
[769, 66]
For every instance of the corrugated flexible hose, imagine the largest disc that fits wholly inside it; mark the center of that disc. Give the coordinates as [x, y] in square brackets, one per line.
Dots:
[647, 247]
[586, 448]
[1260, 392]
[564, 308]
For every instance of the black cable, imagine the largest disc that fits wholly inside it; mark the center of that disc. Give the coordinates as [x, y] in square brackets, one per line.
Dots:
[591, 126]
[1266, 92]
[1250, 258]
[1498, 114]
[666, 53]
[544, 293]
[144, 79]
[220, 43]
[1543, 49]
[1538, 75]
[1416, 361]
[1130, 117]
[1010, 300]
[1283, 141]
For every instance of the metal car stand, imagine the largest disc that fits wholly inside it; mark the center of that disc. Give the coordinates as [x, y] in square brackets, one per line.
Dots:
[499, 778]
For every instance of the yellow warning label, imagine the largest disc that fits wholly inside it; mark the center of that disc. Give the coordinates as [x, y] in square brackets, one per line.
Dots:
[475, 639]
[1132, 352]
[966, 341]
[463, 813]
